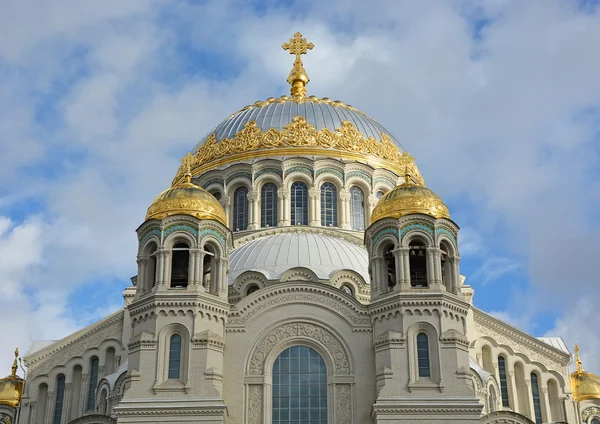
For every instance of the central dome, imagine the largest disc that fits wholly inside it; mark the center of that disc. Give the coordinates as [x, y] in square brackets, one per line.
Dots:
[320, 113]
[275, 254]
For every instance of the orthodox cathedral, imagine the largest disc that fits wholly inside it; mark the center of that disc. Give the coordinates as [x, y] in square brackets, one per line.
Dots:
[299, 271]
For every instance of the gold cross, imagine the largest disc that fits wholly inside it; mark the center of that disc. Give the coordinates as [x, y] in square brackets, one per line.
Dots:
[297, 45]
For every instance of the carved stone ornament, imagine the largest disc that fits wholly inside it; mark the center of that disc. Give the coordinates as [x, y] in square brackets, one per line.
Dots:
[304, 138]
[255, 404]
[344, 405]
[285, 332]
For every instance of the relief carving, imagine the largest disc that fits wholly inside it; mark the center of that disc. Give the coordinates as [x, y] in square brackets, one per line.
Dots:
[255, 404]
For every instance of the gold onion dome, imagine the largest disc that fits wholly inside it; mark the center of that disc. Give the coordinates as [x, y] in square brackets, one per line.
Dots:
[186, 198]
[585, 385]
[409, 198]
[11, 387]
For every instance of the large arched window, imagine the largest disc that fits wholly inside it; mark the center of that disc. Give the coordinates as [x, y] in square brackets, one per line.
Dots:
[299, 387]
[423, 355]
[595, 421]
[503, 381]
[389, 265]
[175, 356]
[268, 205]
[299, 203]
[240, 209]
[93, 383]
[357, 208]
[180, 263]
[535, 394]
[328, 205]
[59, 399]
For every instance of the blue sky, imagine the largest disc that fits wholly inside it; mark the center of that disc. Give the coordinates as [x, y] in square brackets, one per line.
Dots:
[499, 101]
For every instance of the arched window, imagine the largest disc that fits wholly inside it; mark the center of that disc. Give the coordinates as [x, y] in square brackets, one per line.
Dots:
[555, 402]
[535, 394]
[503, 381]
[75, 401]
[268, 205]
[59, 400]
[110, 361]
[251, 289]
[423, 355]
[209, 268]
[445, 266]
[418, 264]
[175, 356]
[151, 268]
[180, 265]
[240, 209]
[347, 289]
[595, 421]
[42, 403]
[93, 383]
[390, 265]
[103, 404]
[328, 205]
[299, 203]
[357, 208]
[492, 399]
[299, 387]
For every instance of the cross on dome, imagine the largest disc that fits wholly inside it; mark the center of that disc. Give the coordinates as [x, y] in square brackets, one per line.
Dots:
[297, 45]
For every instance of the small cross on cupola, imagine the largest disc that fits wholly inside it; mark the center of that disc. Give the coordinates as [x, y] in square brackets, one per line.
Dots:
[298, 77]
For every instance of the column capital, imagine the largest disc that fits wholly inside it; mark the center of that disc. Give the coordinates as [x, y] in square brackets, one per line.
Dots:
[253, 195]
[314, 192]
[282, 193]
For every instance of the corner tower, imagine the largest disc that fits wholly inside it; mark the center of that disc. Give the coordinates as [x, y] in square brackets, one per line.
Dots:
[418, 311]
[178, 313]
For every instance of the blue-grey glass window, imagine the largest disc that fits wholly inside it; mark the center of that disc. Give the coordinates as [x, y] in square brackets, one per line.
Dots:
[503, 381]
[175, 356]
[268, 205]
[595, 421]
[299, 387]
[423, 355]
[299, 203]
[240, 209]
[93, 383]
[357, 208]
[328, 205]
[60, 397]
[535, 394]
[379, 194]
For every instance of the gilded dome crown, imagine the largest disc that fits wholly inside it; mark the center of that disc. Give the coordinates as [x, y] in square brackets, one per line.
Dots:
[585, 385]
[409, 198]
[11, 387]
[186, 198]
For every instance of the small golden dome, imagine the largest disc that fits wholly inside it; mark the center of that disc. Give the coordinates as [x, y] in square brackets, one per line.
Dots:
[11, 387]
[187, 199]
[585, 385]
[409, 198]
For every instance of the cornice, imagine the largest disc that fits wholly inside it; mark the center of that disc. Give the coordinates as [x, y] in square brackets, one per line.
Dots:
[514, 334]
[96, 327]
[407, 300]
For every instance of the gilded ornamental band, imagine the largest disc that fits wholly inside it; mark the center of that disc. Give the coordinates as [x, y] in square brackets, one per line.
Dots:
[345, 143]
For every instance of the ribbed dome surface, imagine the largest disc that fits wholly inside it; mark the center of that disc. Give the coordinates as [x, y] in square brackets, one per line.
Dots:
[276, 254]
[320, 113]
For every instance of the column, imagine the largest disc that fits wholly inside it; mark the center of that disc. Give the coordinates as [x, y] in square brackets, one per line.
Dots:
[344, 216]
[31, 414]
[530, 399]
[66, 404]
[83, 395]
[284, 213]
[141, 277]
[398, 262]
[314, 217]
[371, 202]
[223, 283]
[49, 407]
[166, 271]
[376, 274]
[226, 202]
[454, 262]
[545, 404]
[193, 267]
[513, 396]
[406, 267]
[253, 212]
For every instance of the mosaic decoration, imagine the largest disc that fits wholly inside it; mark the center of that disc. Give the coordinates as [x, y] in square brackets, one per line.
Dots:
[245, 175]
[359, 174]
[304, 169]
[416, 226]
[331, 170]
[274, 171]
[212, 232]
[180, 227]
[442, 230]
[388, 230]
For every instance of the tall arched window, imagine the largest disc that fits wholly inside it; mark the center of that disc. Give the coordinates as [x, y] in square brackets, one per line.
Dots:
[357, 208]
[240, 209]
[151, 268]
[328, 205]
[175, 356]
[503, 381]
[42, 403]
[423, 355]
[299, 203]
[103, 404]
[492, 399]
[595, 421]
[535, 394]
[180, 263]
[268, 205]
[93, 383]
[390, 265]
[418, 264]
[59, 400]
[299, 387]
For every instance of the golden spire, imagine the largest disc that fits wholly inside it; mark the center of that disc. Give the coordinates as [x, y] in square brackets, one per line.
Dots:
[186, 163]
[578, 360]
[298, 77]
[14, 367]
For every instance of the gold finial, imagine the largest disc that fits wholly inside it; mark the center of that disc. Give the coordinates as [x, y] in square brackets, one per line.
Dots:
[186, 163]
[406, 176]
[578, 360]
[298, 77]
[14, 367]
